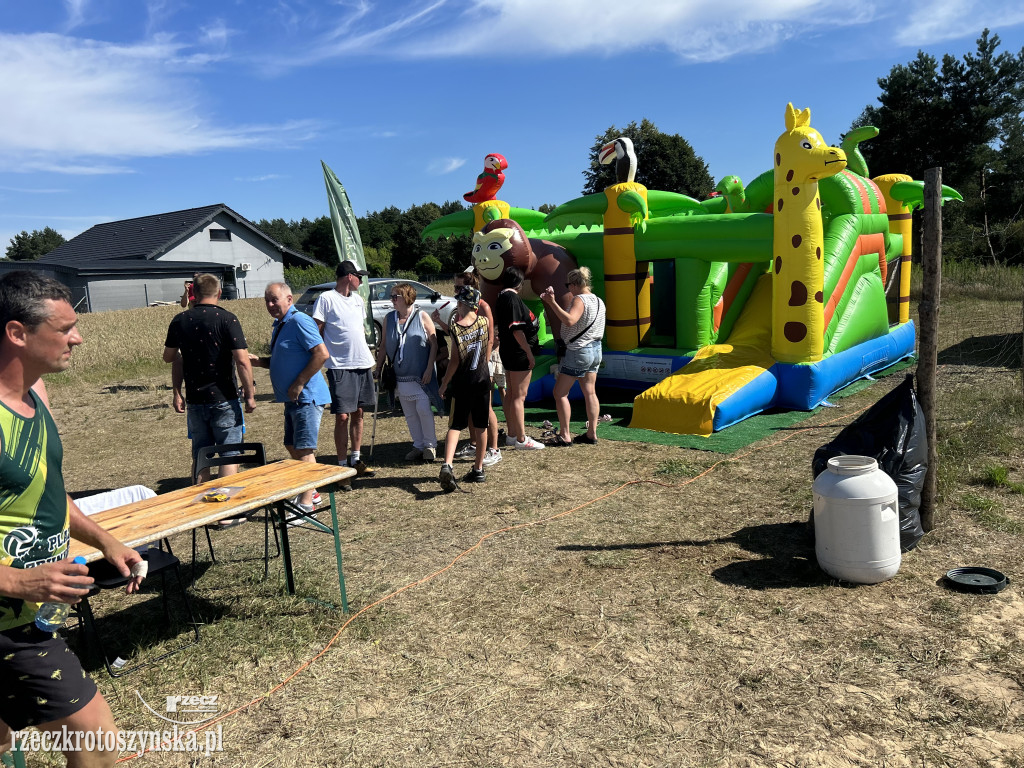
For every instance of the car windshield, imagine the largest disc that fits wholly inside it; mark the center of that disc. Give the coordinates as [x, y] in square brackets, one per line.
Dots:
[311, 295]
[380, 291]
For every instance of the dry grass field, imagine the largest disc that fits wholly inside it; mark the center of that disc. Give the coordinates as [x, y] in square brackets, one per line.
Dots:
[626, 604]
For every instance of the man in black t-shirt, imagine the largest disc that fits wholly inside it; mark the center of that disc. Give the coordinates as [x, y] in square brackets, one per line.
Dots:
[211, 345]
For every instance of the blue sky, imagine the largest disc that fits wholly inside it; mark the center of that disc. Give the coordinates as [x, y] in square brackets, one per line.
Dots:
[114, 109]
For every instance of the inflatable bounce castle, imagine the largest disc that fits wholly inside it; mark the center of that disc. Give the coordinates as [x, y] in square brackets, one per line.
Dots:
[771, 295]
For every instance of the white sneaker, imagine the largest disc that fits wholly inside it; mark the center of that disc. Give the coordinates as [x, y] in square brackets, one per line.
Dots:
[467, 451]
[529, 444]
[307, 509]
[492, 457]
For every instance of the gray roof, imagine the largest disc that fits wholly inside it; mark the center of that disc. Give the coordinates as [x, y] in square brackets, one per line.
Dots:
[114, 246]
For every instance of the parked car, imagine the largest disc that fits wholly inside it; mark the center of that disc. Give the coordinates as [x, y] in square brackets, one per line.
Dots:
[427, 299]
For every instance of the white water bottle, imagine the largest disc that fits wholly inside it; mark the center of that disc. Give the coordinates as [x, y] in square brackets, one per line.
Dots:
[51, 616]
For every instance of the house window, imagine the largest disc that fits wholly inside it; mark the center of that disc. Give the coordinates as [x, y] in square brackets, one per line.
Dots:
[220, 234]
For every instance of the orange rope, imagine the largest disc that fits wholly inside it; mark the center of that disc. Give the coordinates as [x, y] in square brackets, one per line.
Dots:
[430, 577]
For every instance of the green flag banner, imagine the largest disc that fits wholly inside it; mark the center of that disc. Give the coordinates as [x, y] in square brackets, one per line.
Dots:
[347, 240]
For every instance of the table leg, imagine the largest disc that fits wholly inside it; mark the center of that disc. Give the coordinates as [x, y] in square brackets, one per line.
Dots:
[286, 551]
[337, 552]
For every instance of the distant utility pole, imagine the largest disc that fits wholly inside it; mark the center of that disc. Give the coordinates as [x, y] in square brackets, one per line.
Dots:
[928, 312]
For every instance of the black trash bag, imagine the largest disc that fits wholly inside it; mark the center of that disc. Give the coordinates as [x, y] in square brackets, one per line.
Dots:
[892, 432]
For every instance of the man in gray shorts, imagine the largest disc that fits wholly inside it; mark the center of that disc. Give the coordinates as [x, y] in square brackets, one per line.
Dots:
[339, 315]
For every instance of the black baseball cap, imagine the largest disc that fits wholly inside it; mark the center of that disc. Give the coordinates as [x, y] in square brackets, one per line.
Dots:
[349, 268]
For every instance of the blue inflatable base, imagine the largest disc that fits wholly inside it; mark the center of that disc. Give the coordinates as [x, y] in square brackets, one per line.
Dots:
[805, 387]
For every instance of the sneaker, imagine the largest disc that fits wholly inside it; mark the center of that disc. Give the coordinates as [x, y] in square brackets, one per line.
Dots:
[529, 444]
[429, 454]
[446, 477]
[414, 455]
[362, 470]
[492, 457]
[467, 451]
[475, 476]
[306, 509]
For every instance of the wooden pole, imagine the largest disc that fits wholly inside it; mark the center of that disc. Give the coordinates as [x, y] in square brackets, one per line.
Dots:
[928, 312]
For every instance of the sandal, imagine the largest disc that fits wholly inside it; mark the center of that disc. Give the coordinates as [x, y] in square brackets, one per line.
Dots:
[559, 442]
[585, 439]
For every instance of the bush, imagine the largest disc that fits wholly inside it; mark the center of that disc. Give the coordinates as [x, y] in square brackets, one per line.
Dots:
[405, 274]
[300, 278]
[428, 265]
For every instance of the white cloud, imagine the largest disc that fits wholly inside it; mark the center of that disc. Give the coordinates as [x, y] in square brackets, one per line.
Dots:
[265, 177]
[695, 31]
[345, 36]
[76, 13]
[443, 165]
[943, 20]
[157, 14]
[30, 191]
[72, 106]
[215, 34]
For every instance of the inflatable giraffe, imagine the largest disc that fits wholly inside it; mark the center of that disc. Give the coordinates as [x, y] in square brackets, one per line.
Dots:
[801, 158]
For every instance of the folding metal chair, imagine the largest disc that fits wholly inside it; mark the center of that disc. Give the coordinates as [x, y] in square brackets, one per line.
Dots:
[108, 577]
[251, 454]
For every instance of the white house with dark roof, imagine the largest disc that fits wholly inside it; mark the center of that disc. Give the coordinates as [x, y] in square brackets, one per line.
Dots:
[142, 261]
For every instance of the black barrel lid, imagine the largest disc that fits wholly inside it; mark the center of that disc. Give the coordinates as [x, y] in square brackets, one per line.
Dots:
[985, 581]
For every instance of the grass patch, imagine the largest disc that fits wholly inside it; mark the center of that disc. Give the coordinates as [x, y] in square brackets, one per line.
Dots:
[673, 469]
[612, 560]
[975, 425]
[963, 279]
[998, 476]
[990, 514]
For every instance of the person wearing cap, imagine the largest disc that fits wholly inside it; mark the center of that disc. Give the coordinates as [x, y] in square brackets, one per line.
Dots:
[339, 314]
[470, 383]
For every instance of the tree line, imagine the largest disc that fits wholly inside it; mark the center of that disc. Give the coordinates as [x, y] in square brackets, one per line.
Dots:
[964, 115]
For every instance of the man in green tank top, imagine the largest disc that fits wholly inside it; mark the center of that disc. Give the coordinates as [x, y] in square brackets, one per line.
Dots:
[42, 683]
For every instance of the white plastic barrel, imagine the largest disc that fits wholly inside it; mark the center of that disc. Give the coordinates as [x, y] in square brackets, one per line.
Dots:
[856, 521]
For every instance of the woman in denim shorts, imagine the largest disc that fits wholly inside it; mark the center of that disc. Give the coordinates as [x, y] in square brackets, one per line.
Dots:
[582, 331]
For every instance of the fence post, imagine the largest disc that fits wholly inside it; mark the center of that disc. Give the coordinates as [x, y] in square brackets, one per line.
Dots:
[928, 312]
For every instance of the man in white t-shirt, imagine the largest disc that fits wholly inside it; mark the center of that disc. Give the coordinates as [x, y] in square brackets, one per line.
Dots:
[339, 315]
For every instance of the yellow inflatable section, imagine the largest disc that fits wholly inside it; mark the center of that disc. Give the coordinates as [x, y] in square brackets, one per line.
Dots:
[685, 402]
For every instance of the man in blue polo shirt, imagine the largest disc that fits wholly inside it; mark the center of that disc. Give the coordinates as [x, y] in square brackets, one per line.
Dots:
[297, 353]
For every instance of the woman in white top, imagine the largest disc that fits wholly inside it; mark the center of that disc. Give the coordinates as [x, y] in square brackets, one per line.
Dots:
[582, 331]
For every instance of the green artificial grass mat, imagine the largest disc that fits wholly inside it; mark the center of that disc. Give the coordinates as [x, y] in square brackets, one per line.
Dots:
[729, 440]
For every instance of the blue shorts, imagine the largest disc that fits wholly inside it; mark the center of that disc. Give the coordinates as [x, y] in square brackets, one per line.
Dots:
[302, 425]
[214, 424]
[579, 362]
